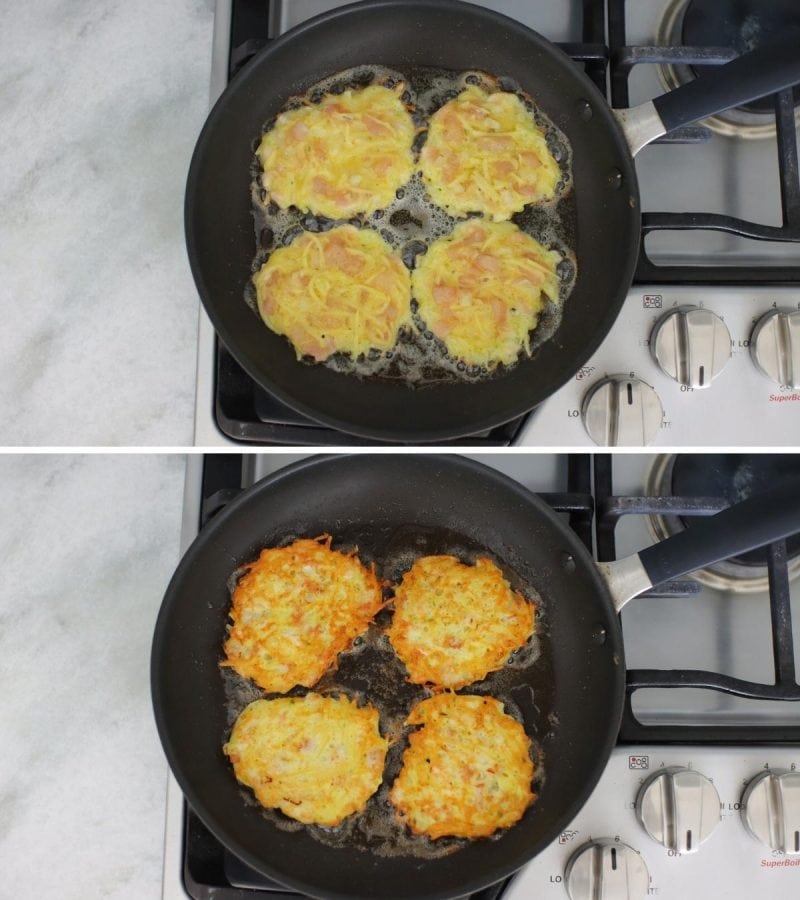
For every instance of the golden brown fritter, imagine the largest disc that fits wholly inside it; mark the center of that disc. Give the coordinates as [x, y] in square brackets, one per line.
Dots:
[454, 623]
[467, 772]
[317, 759]
[295, 609]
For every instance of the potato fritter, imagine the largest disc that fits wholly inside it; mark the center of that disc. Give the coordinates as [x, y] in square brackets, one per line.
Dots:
[454, 623]
[481, 289]
[294, 610]
[485, 153]
[317, 759]
[347, 154]
[467, 772]
[340, 291]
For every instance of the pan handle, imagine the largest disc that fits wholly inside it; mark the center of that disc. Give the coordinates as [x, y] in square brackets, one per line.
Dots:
[763, 71]
[759, 520]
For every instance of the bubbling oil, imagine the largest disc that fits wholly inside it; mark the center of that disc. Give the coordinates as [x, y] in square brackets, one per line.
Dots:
[372, 673]
[412, 222]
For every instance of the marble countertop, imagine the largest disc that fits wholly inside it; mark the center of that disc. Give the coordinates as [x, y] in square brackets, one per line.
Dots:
[88, 545]
[101, 105]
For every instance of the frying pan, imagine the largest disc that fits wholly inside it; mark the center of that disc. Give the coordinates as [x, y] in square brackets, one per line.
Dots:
[380, 502]
[457, 36]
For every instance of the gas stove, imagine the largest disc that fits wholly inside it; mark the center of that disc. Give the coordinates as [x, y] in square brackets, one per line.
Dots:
[711, 704]
[720, 259]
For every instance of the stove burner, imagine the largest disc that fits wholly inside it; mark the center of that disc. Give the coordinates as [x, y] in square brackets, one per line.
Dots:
[734, 476]
[739, 25]
[730, 477]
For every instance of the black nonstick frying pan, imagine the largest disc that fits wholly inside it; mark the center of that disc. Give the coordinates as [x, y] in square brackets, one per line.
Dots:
[390, 505]
[457, 36]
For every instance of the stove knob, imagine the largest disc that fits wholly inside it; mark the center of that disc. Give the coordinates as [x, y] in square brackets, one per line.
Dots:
[607, 870]
[691, 345]
[679, 808]
[622, 412]
[775, 346]
[771, 810]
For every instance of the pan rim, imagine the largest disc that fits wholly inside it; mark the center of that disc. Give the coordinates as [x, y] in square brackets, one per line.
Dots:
[517, 403]
[252, 495]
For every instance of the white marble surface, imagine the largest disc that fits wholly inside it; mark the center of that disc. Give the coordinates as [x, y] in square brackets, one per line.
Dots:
[100, 105]
[88, 545]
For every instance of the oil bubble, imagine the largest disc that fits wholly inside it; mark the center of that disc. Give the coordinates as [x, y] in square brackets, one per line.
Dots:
[411, 251]
[291, 234]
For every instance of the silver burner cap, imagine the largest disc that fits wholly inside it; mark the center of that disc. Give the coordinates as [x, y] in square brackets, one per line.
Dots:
[731, 123]
[727, 575]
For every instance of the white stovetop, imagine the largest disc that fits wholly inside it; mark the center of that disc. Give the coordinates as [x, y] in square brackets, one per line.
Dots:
[731, 865]
[100, 105]
[88, 545]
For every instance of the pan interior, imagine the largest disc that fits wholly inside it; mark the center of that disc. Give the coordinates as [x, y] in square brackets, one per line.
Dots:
[387, 504]
[402, 35]
[412, 222]
[372, 673]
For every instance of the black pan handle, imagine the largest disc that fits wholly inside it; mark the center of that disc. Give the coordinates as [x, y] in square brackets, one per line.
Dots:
[759, 520]
[763, 71]
[767, 70]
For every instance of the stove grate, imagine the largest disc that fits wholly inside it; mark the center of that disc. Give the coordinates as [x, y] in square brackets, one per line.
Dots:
[622, 60]
[610, 509]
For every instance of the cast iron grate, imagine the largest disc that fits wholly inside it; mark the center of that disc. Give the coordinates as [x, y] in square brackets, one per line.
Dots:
[609, 510]
[622, 60]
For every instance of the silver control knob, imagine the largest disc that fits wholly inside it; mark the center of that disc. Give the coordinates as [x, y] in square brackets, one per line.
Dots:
[679, 808]
[622, 412]
[771, 810]
[775, 346]
[607, 870]
[691, 345]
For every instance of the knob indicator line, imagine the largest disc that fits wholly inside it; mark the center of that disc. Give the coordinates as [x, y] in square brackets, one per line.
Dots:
[680, 808]
[771, 810]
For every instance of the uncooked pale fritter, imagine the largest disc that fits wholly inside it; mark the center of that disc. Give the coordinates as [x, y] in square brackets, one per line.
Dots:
[294, 610]
[467, 771]
[454, 623]
[485, 153]
[317, 759]
[347, 154]
[339, 291]
[481, 290]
